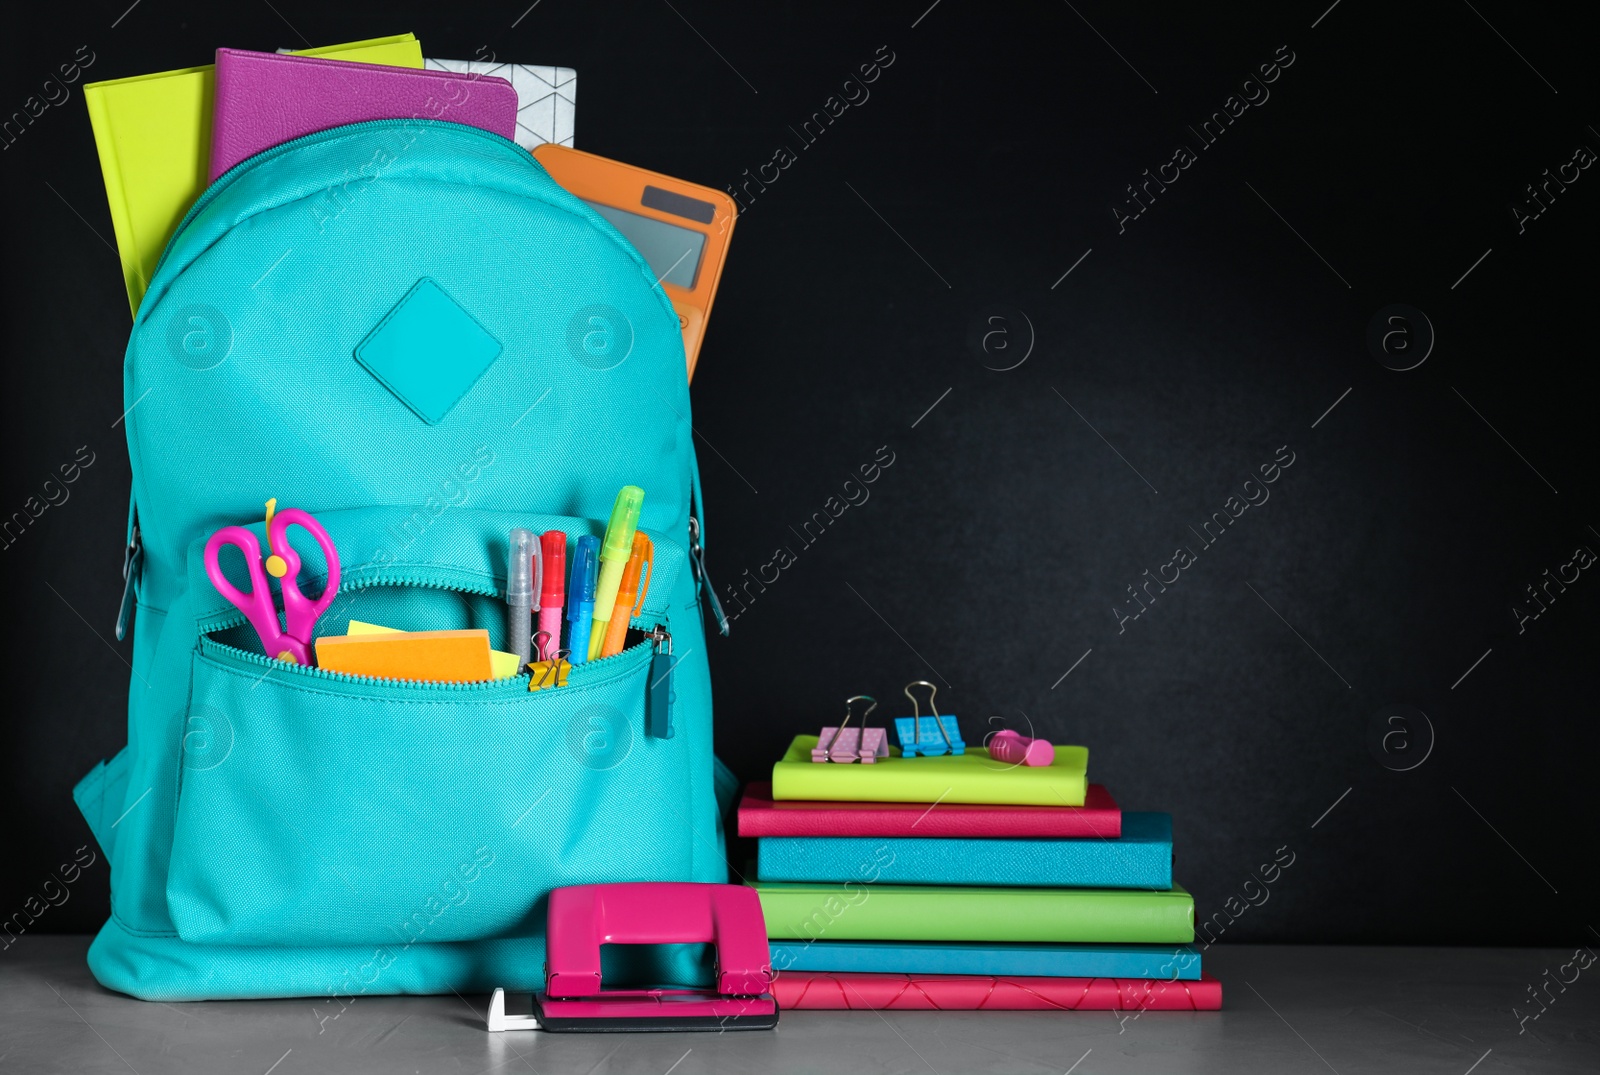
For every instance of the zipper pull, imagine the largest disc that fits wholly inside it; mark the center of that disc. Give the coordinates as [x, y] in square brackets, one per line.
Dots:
[132, 562]
[697, 557]
[659, 695]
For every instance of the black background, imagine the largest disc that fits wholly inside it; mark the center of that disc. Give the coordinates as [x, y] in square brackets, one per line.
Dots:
[1191, 346]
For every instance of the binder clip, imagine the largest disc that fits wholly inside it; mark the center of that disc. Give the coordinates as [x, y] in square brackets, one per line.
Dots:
[1014, 748]
[551, 672]
[845, 744]
[928, 736]
[582, 918]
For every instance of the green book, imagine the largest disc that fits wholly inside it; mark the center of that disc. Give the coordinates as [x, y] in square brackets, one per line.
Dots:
[154, 137]
[973, 777]
[860, 911]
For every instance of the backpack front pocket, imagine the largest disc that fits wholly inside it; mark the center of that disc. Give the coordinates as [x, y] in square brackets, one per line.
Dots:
[317, 808]
[322, 809]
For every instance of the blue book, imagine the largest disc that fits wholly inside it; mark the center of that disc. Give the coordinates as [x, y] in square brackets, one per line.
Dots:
[1141, 858]
[1001, 960]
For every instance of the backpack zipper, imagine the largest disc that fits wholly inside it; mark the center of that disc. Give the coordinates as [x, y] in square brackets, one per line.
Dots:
[697, 559]
[132, 563]
[510, 685]
[658, 696]
[234, 618]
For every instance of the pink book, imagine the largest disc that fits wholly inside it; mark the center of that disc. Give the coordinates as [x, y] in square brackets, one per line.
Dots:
[759, 815]
[264, 99]
[797, 990]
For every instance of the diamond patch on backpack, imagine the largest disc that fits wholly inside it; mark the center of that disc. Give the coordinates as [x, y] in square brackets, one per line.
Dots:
[428, 351]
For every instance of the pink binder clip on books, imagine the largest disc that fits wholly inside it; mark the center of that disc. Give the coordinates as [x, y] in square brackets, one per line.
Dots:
[845, 744]
[1015, 749]
[584, 917]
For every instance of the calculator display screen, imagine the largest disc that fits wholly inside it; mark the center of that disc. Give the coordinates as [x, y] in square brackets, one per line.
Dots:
[673, 252]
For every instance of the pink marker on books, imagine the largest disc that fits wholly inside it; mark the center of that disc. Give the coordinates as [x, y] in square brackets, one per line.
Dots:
[1016, 749]
[552, 591]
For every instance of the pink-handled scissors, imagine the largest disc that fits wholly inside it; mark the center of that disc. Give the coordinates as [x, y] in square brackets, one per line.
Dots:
[299, 612]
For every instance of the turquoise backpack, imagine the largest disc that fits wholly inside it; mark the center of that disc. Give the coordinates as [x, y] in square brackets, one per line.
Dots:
[276, 830]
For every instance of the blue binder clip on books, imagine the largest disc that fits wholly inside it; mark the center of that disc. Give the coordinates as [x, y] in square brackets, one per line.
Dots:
[927, 736]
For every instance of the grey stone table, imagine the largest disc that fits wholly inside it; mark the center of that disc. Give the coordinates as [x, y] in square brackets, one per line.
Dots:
[1286, 1009]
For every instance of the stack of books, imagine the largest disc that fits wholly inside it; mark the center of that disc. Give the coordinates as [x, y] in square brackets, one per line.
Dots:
[961, 882]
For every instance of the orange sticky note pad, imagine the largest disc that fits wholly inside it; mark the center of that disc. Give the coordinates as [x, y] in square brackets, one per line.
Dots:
[430, 656]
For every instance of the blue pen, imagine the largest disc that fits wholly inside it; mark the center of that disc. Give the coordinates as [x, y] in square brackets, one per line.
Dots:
[580, 596]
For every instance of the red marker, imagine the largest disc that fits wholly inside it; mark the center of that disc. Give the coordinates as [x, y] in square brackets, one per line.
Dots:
[552, 591]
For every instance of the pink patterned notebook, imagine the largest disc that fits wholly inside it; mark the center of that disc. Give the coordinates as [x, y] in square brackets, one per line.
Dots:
[264, 99]
[798, 990]
[759, 815]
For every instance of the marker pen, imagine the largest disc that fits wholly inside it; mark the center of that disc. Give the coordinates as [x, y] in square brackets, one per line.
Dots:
[580, 603]
[519, 596]
[552, 590]
[614, 553]
[630, 594]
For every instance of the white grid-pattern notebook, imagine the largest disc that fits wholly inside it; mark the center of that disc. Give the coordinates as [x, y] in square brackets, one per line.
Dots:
[546, 96]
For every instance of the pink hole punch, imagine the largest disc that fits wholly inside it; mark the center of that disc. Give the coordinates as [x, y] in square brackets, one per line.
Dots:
[1017, 749]
[584, 917]
[845, 744]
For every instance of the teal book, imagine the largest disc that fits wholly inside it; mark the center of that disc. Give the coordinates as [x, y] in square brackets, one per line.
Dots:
[1140, 858]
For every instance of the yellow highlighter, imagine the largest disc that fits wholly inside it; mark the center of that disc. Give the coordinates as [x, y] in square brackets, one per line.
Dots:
[631, 594]
[614, 553]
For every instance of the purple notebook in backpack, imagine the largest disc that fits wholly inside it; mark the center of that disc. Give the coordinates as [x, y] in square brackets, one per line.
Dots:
[264, 99]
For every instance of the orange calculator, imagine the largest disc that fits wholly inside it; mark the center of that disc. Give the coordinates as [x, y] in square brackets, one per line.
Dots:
[681, 229]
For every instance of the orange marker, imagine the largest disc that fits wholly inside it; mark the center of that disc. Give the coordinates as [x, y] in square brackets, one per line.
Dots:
[630, 595]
